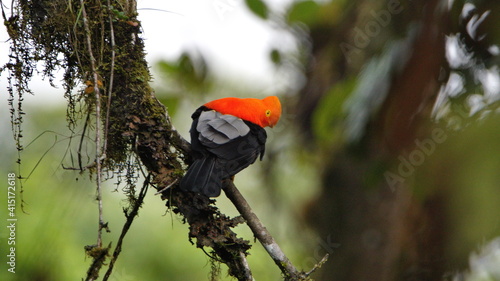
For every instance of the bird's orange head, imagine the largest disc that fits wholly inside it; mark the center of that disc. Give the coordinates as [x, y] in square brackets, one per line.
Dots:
[263, 112]
[272, 110]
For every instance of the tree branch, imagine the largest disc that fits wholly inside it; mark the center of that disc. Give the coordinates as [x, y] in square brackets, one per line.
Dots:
[262, 234]
[246, 272]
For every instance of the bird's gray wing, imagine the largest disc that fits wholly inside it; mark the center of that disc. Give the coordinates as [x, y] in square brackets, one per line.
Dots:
[217, 129]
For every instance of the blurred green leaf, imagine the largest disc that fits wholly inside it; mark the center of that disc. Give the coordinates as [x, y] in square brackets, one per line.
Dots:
[303, 11]
[275, 56]
[186, 72]
[329, 116]
[258, 7]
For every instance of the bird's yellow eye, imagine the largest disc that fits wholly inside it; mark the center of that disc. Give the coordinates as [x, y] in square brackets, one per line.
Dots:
[268, 113]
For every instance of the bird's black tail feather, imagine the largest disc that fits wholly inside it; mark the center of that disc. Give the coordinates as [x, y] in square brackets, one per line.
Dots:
[204, 177]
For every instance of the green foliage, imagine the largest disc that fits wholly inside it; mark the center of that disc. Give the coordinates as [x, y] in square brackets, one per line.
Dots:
[186, 73]
[258, 7]
[329, 117]
[276, 57]
[119, 14]
[304, 11]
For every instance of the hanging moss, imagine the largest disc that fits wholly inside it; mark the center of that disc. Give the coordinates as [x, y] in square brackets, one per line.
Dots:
[100, 48]
[60, 42]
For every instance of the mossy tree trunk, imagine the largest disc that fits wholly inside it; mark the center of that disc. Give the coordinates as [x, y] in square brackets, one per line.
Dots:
[99, 43]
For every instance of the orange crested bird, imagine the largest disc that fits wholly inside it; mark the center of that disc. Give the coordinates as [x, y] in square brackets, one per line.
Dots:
[227, 135]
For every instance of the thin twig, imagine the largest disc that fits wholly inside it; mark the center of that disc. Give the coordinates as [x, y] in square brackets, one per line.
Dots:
[165, 188]
[261, 233]
[79, 152]
[130, 218]
[98, 125]
[111, 78]
[318, 265]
